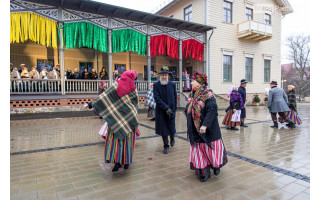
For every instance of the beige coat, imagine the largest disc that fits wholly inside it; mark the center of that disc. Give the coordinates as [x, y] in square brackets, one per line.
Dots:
[34, 74]
[53, 75]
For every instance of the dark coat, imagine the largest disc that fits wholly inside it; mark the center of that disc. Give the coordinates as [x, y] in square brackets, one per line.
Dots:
[165, 97]
[243, 93]
[209, 118]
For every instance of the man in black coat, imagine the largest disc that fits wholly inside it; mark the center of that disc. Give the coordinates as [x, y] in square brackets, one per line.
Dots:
[242, 91]
[165, 95]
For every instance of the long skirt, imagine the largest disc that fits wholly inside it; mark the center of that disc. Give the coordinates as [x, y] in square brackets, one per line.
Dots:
[119, 151]
[293, 115]
[202, 157]
[232, 119]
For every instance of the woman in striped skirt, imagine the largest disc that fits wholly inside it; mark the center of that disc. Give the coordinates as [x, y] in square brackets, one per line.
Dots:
[206, 146]
[292, 104]
[233, 112]
[118, 105]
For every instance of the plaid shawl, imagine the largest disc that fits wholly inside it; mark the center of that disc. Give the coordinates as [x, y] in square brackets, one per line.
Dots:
[292, 99]
[197, 100]
[120, 113]
[150, 100]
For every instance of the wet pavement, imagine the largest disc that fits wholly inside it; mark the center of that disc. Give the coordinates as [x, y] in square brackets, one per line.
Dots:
[62, 158]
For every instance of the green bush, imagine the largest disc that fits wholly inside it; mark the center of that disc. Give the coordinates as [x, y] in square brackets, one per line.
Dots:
[256, 99]
[266, 98]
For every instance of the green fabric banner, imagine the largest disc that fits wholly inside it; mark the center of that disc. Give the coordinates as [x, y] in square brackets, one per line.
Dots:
[86, 35]
[129, 40]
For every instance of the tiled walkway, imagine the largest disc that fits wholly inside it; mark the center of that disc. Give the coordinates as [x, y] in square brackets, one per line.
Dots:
[62, 158]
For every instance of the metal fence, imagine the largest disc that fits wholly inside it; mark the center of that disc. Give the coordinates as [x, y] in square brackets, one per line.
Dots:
[51, 86]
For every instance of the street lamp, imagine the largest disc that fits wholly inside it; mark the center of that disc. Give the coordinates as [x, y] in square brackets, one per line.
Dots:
[282, 81]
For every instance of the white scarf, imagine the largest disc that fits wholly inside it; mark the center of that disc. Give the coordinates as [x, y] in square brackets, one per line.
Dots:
[44, 74]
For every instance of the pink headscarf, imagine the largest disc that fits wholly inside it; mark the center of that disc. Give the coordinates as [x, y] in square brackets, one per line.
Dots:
[231, 89]
[126, 83]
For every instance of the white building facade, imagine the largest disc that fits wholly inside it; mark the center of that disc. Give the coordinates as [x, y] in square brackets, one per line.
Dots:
[246, 43]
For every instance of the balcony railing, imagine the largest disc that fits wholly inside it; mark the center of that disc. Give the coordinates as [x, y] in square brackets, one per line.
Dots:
[50, 86]
[255, 31]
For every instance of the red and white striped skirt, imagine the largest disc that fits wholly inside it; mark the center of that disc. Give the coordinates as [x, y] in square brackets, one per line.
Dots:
[202, 156]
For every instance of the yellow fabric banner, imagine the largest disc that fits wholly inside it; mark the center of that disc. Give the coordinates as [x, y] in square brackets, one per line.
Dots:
[29, 26]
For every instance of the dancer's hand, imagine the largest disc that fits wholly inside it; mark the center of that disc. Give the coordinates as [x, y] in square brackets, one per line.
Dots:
[85, 106]
[234, 110]
[203, 129]
[169, 112]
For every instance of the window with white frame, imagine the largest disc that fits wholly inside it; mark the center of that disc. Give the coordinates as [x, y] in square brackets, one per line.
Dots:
[188, 13]
[267, 19]
[267, 70]
[227, 68]
[249, 14]
[248, 69]
[227, 12]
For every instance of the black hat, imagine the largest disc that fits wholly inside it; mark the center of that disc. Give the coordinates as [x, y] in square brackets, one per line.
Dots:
[164, 70]
[274, 83]
[243, 81]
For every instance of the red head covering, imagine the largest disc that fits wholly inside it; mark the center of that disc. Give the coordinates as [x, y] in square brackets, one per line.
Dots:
[200, 78]
[126, 83]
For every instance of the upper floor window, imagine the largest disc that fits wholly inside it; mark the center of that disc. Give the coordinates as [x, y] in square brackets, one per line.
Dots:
[267, 19]
[249, 14]
[227, 12]
[188, 13]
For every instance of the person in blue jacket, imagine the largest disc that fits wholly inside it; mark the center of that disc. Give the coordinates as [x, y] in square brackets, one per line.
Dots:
[165, 95]
[242, 91]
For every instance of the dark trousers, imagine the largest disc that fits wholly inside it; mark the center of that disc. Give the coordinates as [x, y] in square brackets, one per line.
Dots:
[274, 116]
[166, 141]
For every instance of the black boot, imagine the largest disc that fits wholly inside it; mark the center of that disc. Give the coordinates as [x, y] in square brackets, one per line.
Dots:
[172, 142]
[275, 125]
[234, 128]
[116, 167]
[165, 150]
[216, 171]
[126, 166]
[206, 177]
[243, 124]
[291, 123]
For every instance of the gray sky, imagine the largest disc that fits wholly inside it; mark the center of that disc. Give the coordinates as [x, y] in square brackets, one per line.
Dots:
[294, 23]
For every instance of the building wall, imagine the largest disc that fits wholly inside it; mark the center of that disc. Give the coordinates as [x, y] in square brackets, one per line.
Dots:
[225, 38]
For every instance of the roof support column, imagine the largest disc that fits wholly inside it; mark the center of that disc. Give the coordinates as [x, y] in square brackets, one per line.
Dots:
[61, 53]
[110, 51]
[205, 53]
[148, 56]
[180, 62]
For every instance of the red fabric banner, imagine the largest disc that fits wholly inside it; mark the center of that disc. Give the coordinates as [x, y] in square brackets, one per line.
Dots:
[164, 45]
[192, 49]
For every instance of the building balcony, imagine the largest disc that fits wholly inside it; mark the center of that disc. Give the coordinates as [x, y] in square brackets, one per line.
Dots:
[255, 31]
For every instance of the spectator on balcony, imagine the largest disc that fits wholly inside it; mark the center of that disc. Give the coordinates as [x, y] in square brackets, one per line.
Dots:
[118, 105]
[104, 74]
[85, 74]
[207, 149]
[76, 74]
[22, 66]
[54, 74]
[94, 75]
[11, 68]
[165, 95]
[15, 73]
[25, 73]
[34, 74]
[44, 73]
[68, 73]
[58, 69]
[115, 74]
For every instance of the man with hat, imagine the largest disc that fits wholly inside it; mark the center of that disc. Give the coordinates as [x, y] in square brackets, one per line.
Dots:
[242, 91]
[22, 66]
[278, 103]
[165, 95]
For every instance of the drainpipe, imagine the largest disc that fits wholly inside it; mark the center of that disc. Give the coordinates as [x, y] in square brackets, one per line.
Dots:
[205, 12]
[208, 58]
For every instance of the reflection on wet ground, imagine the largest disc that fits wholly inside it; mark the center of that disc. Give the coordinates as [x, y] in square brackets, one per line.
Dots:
[62, 158]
